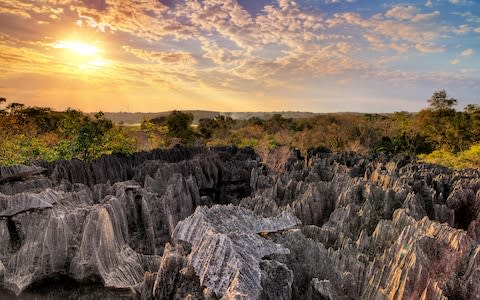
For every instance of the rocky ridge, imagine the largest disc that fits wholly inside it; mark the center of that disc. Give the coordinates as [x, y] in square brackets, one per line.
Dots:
[221, 224]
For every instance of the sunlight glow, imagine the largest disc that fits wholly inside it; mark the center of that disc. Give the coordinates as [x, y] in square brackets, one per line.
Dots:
[86, 56]
[80, 48]
[94, 64]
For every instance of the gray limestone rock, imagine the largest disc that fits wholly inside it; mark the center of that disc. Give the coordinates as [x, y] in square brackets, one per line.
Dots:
[227, 248]
[18, 203]
[19, 172]
[196, 223]
[277, 280]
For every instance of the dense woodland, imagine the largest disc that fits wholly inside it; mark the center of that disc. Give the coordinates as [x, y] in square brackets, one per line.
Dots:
[439, 133]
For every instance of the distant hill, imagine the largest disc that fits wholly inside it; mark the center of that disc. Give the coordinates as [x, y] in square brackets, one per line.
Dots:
[137, 118]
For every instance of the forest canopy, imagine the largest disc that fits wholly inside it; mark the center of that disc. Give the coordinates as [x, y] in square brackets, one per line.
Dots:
[439, 133]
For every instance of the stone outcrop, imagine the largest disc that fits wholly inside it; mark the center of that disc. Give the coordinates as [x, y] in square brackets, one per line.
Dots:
[227, 248]
[194, 223]
[94, 223]
[386, 228]
[18, 172]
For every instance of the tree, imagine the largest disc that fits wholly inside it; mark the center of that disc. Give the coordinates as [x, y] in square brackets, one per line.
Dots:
[276, 123]
[206, 127]
[472, 114]
[90, 135]
[156, 134]
[440, 101]
[43, 118]
[472, 108]
[15, 107]
[83, 136]
[180, 126]
[2, 100]
[160, 121]
[219, 126]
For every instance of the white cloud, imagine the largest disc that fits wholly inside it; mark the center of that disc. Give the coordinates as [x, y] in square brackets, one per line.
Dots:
[402, 12]
[455, 2]
[462, 29]
[425, 17]
[429, 48]
[374, 42]
[467, 52]
[429, 3]
[455, 61]
[338, 1]
[402, 48]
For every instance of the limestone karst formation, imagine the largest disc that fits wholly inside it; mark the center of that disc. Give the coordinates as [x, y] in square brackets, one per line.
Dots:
[226, 223]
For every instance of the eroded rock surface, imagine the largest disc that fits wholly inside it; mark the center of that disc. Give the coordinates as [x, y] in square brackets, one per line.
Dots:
[386, 228]
[107, 222]
[193, 223]
[227, 248]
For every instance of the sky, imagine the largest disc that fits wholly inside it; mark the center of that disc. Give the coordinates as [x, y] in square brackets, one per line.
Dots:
[239, 55]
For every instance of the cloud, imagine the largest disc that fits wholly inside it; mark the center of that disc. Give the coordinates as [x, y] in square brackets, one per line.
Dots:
[462, 29]
[402, 12]
[338, 1]
[283, 39]
[463, 2]
[467, 52]
[455, 61]
[395, 28]
[402, 48]
[375, 43]
[166, 57]
[220, 46]
[40, 9]
[409, 13]
[144, 19]
[219, 55]
[429, 48]
[425, 17]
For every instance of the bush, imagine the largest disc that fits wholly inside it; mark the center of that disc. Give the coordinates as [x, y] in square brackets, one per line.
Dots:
[466, 159]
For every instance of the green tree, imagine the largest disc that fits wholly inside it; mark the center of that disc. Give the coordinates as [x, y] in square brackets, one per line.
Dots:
[90, 135]
[441, 101]
[219, 126]
[115, 141]
[277, 122]
[156, 135]
[445, 128]
[180, 126]
[472, 114]
[83, 136]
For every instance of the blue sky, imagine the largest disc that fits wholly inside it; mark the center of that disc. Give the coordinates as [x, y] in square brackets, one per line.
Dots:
[239, 55]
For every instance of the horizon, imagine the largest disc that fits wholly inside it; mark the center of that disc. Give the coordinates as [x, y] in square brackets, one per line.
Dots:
[243, 112]
[318, 56]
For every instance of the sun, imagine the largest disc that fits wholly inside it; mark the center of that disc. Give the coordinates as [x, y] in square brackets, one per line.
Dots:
[83, 55]
[78, 47]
